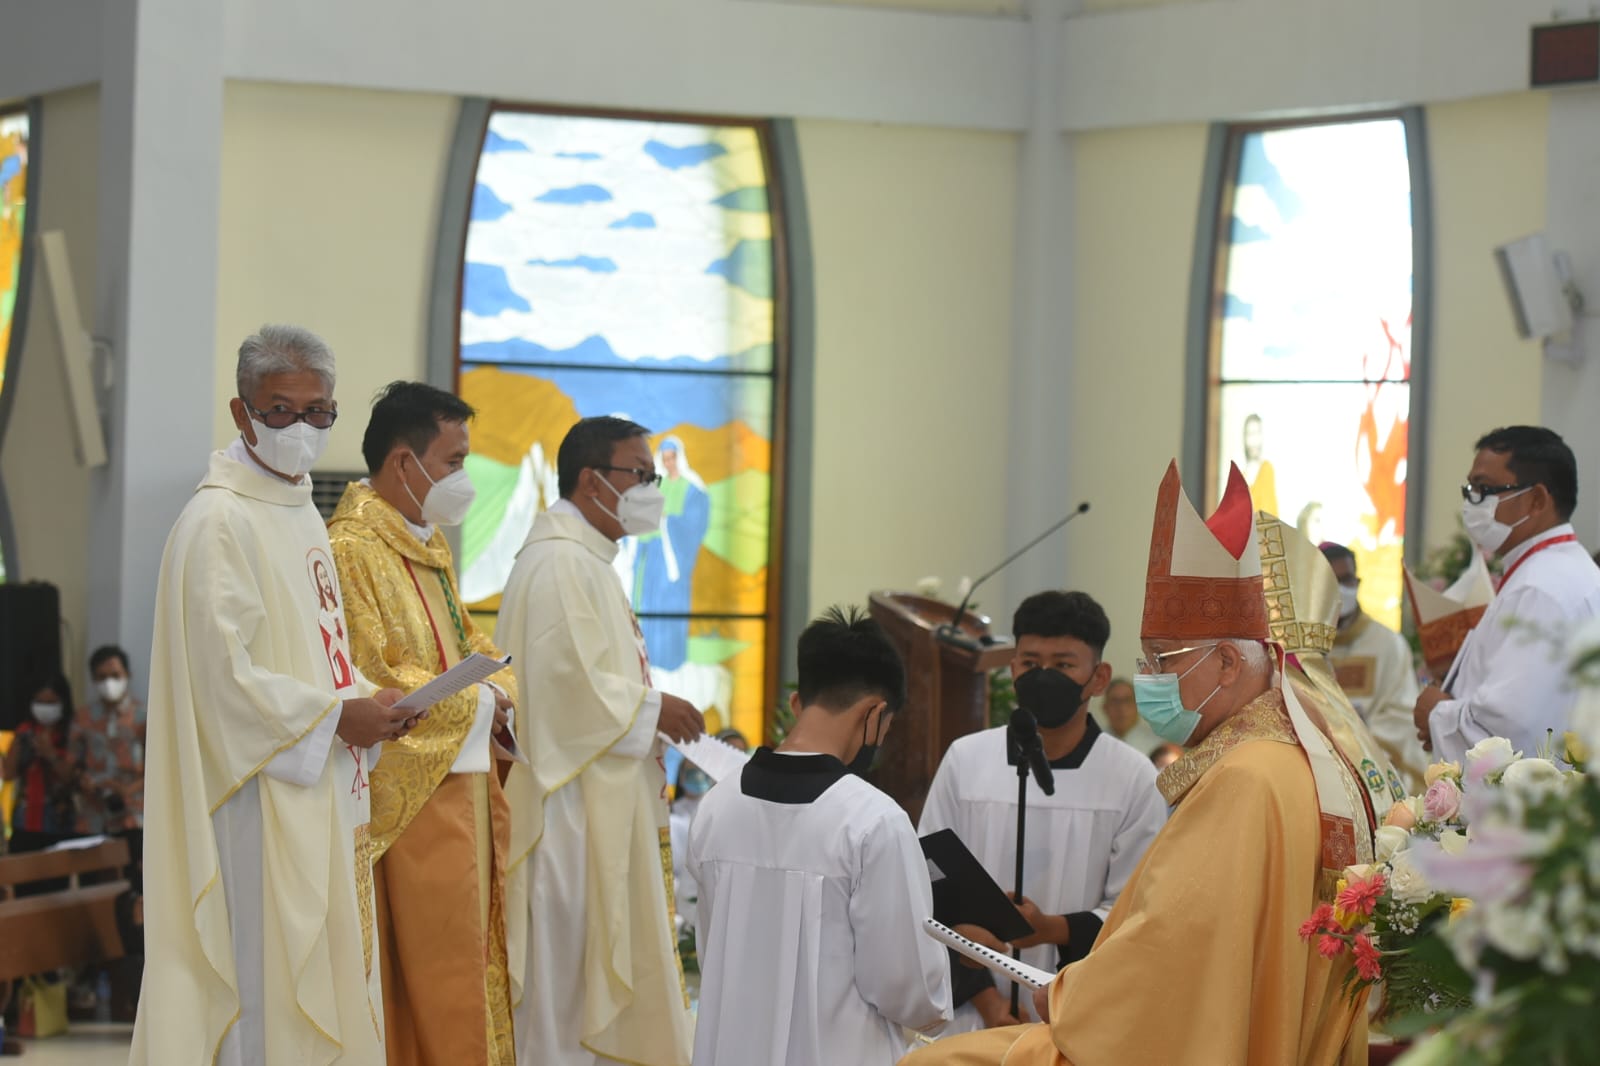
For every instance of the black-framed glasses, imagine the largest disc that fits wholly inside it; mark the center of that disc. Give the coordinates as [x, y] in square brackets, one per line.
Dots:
[1478, 493]
[646, 477]
[279, 418]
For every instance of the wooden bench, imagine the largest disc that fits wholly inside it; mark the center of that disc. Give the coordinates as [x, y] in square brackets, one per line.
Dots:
[75, 926]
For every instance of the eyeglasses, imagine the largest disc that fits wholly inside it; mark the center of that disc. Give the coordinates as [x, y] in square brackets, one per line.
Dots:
[282, 418]
[1152, 665]
[646, 477]
[1478, 493]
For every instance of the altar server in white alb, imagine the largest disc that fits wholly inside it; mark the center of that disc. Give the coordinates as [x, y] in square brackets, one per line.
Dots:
[813, 888]
[258, 884]
[1510, 679]
[592, 950]
[1083, 842]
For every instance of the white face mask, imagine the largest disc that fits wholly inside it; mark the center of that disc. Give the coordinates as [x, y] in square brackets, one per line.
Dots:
[448, 501]
[1348, 604]
[291, 451]
[1487, 531]
[639, 509]
[112, 689]
[46, 713]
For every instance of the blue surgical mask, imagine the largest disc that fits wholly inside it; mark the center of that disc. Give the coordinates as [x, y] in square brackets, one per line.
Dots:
[1160, 704]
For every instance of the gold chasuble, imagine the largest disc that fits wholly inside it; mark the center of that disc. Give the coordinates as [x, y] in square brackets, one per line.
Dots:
[594, 958]
[439, 837]
[258, 881]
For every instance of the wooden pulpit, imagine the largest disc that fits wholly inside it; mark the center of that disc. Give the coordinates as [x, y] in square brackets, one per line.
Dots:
[947, 689]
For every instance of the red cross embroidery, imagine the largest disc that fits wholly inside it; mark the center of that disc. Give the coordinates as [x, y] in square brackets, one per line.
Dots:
[359, 785]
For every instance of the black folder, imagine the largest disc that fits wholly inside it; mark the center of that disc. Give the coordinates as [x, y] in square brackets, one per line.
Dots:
[966, 893]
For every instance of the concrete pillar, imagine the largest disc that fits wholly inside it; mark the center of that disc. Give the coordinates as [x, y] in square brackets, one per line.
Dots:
[155, 294]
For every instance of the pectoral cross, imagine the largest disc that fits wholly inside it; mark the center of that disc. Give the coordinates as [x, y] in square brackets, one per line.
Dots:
[359, 785]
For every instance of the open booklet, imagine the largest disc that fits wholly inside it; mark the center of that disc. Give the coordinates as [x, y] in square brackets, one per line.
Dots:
[1005, 965]
[717, 758]
[472, 670]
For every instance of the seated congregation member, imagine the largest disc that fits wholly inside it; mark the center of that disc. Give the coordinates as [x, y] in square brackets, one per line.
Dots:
[1199, 962]
[42, 764]
[1119, 716]
[1084, 841]
[813, 888]
[109, 736]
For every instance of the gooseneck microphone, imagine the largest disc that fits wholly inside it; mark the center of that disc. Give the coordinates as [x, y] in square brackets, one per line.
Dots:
[950, 632]
[1023, 733]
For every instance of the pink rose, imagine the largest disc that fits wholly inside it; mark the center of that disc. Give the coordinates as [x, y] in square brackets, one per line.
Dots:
[1442, 801]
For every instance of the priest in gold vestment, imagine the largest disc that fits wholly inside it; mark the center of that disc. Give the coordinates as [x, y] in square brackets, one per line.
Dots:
[1200, 962]
[440, 823]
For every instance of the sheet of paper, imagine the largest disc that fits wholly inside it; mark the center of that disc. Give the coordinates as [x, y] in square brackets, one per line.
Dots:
[469, 671]
[717, 758]
[1005, 965]
[78, 844]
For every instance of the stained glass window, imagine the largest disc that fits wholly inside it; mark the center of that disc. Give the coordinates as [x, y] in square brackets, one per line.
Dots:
[622, 266]
[13, 212]
[1311, 357]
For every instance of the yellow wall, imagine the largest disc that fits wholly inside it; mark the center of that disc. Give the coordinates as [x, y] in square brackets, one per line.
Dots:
[1137, 194]
[912, 242]
[1489, 169]
[329, 211]
[47, 490]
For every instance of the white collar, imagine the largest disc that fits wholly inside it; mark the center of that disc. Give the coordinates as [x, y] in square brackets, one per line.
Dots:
[423, 533]
[1515, 554]
[567, 507]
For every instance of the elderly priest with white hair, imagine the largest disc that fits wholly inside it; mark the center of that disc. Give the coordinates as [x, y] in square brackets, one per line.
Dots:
[1199, 961]
[261, 736]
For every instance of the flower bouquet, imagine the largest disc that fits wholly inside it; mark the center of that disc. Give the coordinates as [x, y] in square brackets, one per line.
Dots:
[1531, 940]
[1384, 913]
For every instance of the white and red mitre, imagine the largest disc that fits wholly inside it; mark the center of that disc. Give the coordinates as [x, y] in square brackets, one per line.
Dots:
[1204, 583]
[1204, 580]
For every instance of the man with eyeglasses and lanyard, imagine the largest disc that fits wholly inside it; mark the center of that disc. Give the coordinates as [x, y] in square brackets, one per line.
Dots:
[1510, 678]
[592, 947]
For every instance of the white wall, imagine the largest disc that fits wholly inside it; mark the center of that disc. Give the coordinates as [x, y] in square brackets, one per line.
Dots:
[46, 488]
[912, 235]
[330, 205]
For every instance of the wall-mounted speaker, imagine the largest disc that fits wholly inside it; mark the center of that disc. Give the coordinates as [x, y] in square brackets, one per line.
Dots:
[1539, 285]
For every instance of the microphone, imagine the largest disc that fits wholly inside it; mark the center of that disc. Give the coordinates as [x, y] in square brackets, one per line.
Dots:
[1023, 734]
[950, 632]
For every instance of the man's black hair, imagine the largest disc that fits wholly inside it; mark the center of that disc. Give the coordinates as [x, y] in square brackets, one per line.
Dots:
[1538, 456]
[105, 653]
[1333, 552]
[1063, 614]
[409, 413]
[844, 656]
[588, 444]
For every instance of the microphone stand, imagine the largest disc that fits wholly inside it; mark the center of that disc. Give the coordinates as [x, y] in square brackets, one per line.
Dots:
[1021, 743]
[950, 632]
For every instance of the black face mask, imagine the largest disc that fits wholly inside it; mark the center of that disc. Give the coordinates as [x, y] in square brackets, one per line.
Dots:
[1052, 696]
[869, 752]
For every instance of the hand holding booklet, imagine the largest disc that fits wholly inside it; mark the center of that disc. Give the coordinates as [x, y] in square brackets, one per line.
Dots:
[469, 671]
[1004, 965]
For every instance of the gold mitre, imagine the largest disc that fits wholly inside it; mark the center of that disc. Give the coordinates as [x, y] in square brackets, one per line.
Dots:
[1302, 594]
[1204, 577]
[1445, 618]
